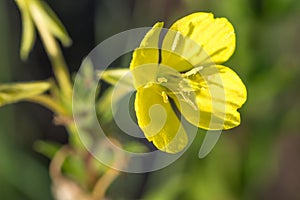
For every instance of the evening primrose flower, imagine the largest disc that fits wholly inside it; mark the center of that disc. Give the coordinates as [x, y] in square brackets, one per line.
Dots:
[184, 73]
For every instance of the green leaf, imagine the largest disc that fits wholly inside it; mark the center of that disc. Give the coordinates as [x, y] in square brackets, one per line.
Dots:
[46, 148]
[116, 76]
[104, 106]
[51, 21]
[122, 82]
[75, 168]
[28, 30]
[136, 147]
[109, 102]
[14, 92]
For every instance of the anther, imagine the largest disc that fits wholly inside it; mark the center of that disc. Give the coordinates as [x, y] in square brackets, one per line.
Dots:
[162, 80]
[193, 71]
[165, 97]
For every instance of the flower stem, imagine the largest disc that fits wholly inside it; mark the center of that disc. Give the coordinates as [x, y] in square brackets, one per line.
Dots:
[54, 53]
[49, 103]
[109, 176]
[103, 183]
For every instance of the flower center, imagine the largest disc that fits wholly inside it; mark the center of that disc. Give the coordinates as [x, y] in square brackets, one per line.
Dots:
[180, 86]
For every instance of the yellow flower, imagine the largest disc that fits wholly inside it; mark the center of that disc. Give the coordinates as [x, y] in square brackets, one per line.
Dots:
[185, 72]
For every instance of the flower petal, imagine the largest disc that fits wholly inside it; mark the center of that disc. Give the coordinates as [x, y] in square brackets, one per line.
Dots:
[151, 39]
[181, 52]
[157, 119]
[177, 61]
[215, 35]
[145, 59]
[148, 52]
[221, 93]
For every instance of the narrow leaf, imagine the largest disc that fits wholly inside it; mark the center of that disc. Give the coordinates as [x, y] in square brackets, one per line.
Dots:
[28, 30]
[14, 92]
[117, 76]
[52, 22]
[47, 148]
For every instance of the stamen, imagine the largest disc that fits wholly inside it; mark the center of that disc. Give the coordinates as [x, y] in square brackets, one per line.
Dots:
[165, 97]
[189, 86]
[189, 101]
[162, 80]
[193, 71]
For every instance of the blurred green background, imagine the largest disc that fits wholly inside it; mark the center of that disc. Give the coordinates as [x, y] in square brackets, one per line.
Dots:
[258, 160]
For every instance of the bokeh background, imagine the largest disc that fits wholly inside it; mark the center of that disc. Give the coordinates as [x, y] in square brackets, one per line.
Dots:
[258, 160]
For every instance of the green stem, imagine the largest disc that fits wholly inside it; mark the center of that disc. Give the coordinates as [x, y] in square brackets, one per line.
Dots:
[75, 140]
[105, 181]
[54, 53]
[61, 73]
[49, 103]
[103, 184]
